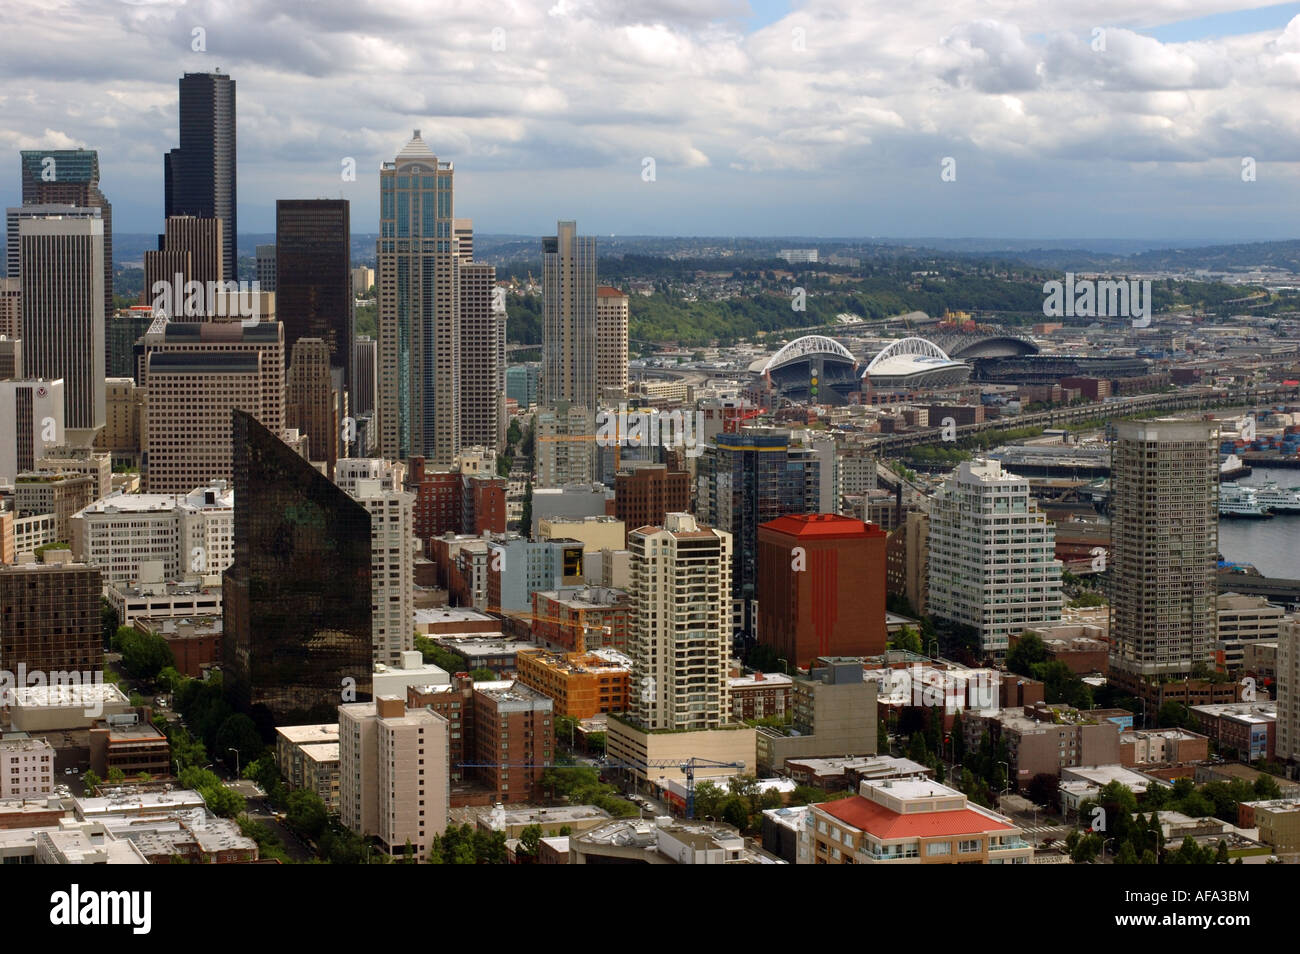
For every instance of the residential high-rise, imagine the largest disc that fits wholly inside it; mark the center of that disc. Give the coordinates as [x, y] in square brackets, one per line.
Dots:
[569, 318]
[313, 275]
[199, 176]
[1287, 746]
[482, 358]
[514, 739]
[680, 639]
[311, 402]
[418, 306]
[50, 618]
[992, 556]
[565, 445]
[265, 267]
[365, 367]
[195, 373]
[392, 580]
[1164, 536]
[821, 585]
[66, 177]
[297, 619]
[748, 479]
[394, 783]
[190, 247]
[62, 262]
[31, 422]
[611, 343]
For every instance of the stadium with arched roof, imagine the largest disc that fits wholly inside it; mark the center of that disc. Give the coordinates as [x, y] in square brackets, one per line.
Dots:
[912, 363]
[813, 369]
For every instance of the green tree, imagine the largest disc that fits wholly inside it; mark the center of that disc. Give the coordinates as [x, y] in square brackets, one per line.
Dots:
[1028, 650]
[1172, 715]
[90, 781]
[483, 674]
[116, 776]
[239, 732]
[709, 799]
[1126, 855]
[108, 620]
[907, 639]
[306, 813]
[530, 840]
[144, 655]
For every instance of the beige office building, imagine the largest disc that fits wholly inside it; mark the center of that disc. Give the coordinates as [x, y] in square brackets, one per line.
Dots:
[611, 343]
[11, 307]
[680, 637]
[311, 402]
[196, 373]
[393, 777]
[122, 436]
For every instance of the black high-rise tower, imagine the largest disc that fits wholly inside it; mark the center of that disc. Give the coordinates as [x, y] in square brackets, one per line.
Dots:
[199, 177]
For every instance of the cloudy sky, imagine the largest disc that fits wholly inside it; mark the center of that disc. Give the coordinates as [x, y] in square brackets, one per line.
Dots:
[1062, 118]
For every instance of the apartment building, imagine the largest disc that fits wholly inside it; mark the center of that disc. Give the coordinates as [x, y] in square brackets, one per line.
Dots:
[392, 568]
[393, 782]
[308, 757]
[26, 766]
[909, 821]
[991, 556]
[582, 684]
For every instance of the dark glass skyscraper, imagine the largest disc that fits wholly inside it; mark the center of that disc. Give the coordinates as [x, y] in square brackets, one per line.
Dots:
[199, 177]
[297, 638]
[66, 177]
[746, 480]
[313, 266]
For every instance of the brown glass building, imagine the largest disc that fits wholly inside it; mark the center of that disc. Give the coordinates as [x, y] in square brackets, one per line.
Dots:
[821, 587]
[50, 618]
[297, 633]
[644, 494]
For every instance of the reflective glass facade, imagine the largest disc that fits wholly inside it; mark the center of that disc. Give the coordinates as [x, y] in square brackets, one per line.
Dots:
[297, 597]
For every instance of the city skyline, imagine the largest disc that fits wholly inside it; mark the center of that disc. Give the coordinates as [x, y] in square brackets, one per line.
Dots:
[759, 118]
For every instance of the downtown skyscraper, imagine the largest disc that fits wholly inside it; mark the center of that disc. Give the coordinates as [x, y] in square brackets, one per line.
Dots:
[65, 177]
[62, 265]
[418, 308]
[313, 265]
[199, 176]
[569, 318]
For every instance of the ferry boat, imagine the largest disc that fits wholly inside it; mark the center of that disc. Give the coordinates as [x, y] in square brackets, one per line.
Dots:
[1277, 499]
[1241, 502]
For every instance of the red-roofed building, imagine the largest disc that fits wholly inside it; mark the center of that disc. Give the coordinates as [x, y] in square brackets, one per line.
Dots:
[821, 587]
[909, 821]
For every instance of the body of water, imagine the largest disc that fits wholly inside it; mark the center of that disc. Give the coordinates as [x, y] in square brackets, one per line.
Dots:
[1272, 545]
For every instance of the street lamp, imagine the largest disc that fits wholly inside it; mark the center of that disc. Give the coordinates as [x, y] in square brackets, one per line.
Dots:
[1007, 766]
[236, 751]
[1103, 847]
[933, 646]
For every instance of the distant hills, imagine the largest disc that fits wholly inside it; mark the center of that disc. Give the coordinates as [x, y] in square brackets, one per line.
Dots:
[1113, 255]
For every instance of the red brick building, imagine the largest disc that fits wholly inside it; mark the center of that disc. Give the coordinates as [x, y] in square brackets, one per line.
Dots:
[438, 501]
[821, 586]
[644, 494]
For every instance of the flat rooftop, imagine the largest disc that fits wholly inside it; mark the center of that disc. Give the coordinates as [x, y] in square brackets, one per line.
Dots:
[323, 733]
